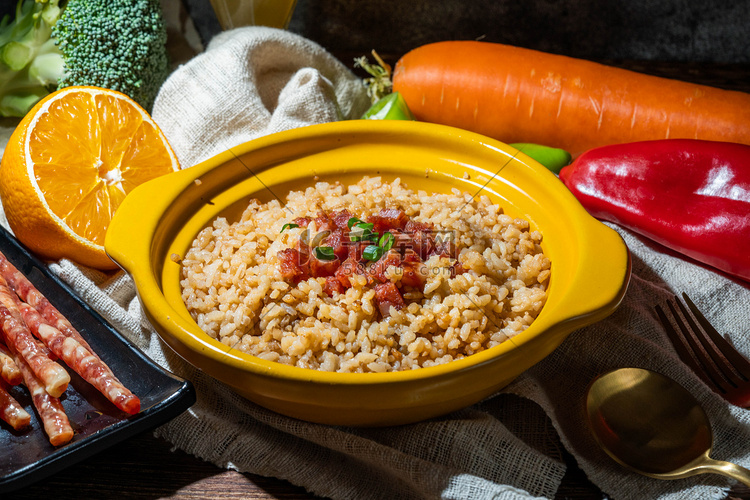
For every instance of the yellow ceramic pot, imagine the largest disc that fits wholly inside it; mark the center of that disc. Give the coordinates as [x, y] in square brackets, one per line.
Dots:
[159, 219]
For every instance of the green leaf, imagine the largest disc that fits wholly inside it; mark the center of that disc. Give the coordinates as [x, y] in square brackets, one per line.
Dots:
[379, 84]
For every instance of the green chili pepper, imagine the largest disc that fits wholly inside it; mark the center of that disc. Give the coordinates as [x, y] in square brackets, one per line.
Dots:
[391, 107]
[552, 158]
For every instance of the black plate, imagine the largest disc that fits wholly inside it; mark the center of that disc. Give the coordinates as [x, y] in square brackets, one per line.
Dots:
[27, 456]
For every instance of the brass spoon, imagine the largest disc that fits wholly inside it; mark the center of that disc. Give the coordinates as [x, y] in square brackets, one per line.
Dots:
[652, 425]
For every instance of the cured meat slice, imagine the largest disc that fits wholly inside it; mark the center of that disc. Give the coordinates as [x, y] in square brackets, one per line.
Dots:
[378, 269]
[293, 266]
[323, 222]
[339, 242]
[389, 249]
[82, 361]
[333, 286]
[12, 412]
[323, 268]
[302, 221]
[357, 249]
[348, 268]
[414, 274]
[50, 410]
[19, 339]
[388, 219]
[341, 219]
[387, 295]
[422, 238]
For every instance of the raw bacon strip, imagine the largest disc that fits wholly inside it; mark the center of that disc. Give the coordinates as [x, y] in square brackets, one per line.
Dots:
[29, 294]
[12, 412]
[19, 339]
[50, 410]
[8, 369]
[80, 359]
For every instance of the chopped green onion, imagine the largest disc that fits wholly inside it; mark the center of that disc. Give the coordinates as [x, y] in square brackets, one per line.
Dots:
[370, 236]
[353, 222]
[358, 233]
[372, 252]
[386, 241]
[288, 225]
[324, 253]
[359, 223]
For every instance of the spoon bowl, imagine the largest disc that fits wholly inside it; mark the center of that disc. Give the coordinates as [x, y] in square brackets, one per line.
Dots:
[652, 425]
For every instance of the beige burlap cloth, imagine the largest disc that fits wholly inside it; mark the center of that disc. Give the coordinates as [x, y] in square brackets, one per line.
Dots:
[256, 81]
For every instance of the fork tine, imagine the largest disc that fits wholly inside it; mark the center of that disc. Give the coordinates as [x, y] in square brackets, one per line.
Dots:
[680, 345]
[704, 365]
[740, 364]
[707, 348]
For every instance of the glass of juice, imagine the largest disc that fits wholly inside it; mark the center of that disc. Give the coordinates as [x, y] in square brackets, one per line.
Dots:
[237, 13]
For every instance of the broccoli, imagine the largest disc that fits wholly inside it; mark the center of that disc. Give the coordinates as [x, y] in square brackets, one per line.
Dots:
[30, 63]
[51, 44]
[115, 44]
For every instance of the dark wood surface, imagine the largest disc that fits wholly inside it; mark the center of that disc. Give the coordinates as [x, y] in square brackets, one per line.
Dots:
[146, 468]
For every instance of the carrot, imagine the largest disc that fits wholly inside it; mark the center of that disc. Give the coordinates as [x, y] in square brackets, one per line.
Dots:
[520, 95]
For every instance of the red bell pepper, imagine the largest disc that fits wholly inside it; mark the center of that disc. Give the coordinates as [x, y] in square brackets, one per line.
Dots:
[689, 195]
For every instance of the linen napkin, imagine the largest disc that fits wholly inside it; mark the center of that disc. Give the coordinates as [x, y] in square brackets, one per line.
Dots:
[254, 81]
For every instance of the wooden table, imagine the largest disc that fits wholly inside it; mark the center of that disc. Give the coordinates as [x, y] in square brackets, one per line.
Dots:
[146, 468]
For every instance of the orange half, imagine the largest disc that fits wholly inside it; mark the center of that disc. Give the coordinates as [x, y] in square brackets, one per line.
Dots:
[70, 163]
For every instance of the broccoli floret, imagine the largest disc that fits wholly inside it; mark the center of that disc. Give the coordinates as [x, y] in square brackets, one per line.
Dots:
[116, 44]
[51, 44]
[30, 63]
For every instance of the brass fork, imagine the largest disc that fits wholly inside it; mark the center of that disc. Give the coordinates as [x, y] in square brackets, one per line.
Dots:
[709, 355]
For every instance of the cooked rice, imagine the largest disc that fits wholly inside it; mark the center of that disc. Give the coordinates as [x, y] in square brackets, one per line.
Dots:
[233, 288]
